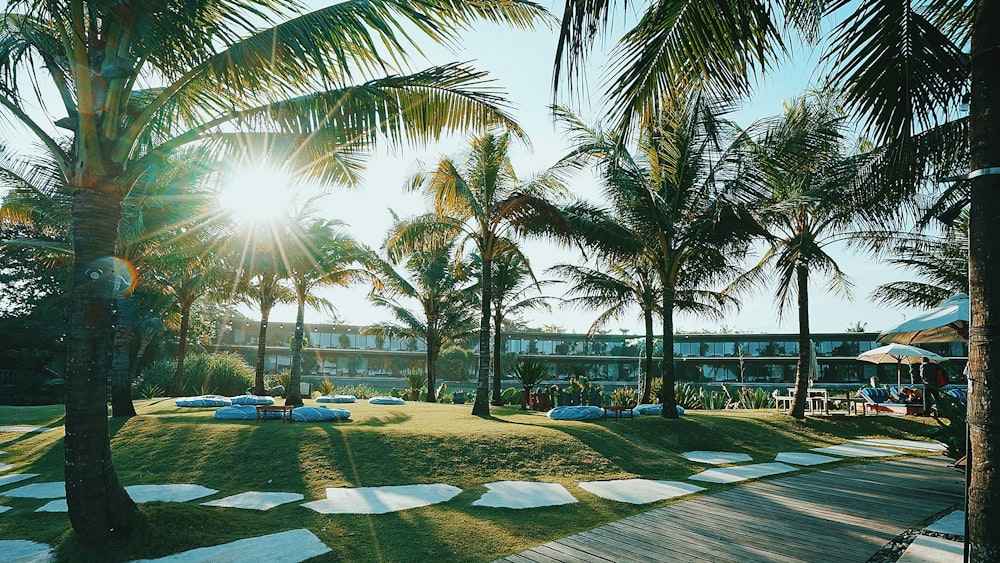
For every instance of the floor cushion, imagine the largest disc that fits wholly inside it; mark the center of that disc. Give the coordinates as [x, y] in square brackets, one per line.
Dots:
[579, 412]
[252, 400]
[655, 409]
[203, 401]
[336, 399]
[242, 412]
[386, 401]
[313, 414]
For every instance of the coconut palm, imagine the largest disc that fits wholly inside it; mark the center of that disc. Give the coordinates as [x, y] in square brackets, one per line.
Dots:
[678, 207]
[319, 254]
[137, 80]
[483, 202]
[432, 304]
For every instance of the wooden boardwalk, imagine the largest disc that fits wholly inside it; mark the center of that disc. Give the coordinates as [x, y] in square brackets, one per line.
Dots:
[844, 514]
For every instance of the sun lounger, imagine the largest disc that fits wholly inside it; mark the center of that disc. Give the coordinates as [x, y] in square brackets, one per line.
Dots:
[879, 400]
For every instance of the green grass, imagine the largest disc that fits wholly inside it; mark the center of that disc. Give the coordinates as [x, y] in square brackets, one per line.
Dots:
[395, 445]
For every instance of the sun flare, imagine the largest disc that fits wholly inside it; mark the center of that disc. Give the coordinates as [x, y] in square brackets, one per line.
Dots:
[256, 194]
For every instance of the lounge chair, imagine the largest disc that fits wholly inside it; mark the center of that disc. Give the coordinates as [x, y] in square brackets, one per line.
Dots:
[879, 400]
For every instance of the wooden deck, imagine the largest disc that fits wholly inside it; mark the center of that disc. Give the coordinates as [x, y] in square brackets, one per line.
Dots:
[844, 514]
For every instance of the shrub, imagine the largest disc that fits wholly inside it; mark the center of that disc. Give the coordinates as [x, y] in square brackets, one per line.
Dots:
[687, 396]
[529, 371]
[754, 398]
[714, 400]
[511, 396]
[361, 391]
[222, 374]
[325, 387]
[623, 396]
[952, 434]
[455, 362]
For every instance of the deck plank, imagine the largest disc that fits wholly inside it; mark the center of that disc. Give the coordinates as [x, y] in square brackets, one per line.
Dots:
[846, 513]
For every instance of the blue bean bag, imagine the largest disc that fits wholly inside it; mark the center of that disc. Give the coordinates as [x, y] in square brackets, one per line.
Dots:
[314, 414]
[386, 401]
[336, 399]
[253, 400]
[203, 401]
[242, 412]
[656, 409]
[576, 413]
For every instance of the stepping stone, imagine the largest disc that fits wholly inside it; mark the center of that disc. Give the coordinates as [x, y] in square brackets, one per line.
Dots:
[24, 551]
[952, 524]
[379, 500]
[741, 472]
[23, 428]
[524, 494]
[639, 491]
[907, 444]
[4, 509]
[926, 549]
[167, 493]
[58, 505]
[716, 458]
[802, 458]
[255, 501]
[6, 467]
[292, 546]
[851, 450]
[53, 489]
[15, 477]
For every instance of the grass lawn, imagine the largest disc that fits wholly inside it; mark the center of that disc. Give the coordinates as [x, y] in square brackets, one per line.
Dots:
[394, 445]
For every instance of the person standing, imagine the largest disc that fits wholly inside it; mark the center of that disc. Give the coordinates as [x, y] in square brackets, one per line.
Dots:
[929, 379]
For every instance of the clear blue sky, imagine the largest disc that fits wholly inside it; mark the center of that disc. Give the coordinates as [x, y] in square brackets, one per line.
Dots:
[521, 63]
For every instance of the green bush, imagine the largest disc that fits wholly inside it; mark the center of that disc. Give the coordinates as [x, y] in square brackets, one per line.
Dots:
[623, 396]
[687, 396]
[511, 396]
[454, 363]
[754, 398]
[714, 400]
[325, 387]
[361, 391]
[529, 371]
[953, 432]
[220, 374]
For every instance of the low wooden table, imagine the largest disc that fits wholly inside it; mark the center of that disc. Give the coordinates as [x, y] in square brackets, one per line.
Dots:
[618, 410]
[285, 410]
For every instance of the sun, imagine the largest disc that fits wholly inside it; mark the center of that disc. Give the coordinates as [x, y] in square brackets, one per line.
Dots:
[257, 193]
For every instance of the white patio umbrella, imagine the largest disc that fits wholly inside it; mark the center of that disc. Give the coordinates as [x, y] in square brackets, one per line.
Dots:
[899, 354]
[948, 322]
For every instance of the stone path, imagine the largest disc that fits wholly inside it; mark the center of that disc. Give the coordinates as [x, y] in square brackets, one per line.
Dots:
[731, 467]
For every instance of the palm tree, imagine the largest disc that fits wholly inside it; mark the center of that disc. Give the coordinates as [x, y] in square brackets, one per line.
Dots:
[675, 207]
[320, 254]
[512, 281]
[213, 72]
[906, 67]
[442, 316]
[482, 201]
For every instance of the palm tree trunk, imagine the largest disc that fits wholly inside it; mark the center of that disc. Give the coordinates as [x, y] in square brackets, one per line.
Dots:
[433, 351]
[258, 380]
[798, 409]
[293, 396]
[645, 378]
[983, 511]
[497, 392]
[97, 503]
[121, 382]
[182, 336]
[481, 406]
[668, 397]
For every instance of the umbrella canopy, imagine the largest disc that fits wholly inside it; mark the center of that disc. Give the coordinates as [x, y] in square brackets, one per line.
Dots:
[948, 322]
[899, 354]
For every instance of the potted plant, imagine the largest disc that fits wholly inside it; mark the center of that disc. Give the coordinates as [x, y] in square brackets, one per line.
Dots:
[416, 379]
[529, 372]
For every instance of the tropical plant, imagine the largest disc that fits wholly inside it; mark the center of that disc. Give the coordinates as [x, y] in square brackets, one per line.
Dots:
[432, 305]
[623, 396]
[417, 379]
[482, 201]
[715, 400]
[753, 398]
[529, 372]
[687, 396]
[137, 80]
[455, 363]
[325, 386]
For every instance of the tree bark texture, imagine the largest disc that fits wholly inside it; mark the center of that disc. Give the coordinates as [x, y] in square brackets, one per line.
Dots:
[983, 514]
[182, 333]
[293, 396]
[798, 409]
[97, 503]
[258, 381]
[497, 372]
[645, 378]
[668, 396]
[481, 406]
[126, 324]
[433, 351]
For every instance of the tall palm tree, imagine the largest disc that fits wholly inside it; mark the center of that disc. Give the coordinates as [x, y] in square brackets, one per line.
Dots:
[429, 304]
[320, 254]
[317, 78]
[680, 205]
[906, 66]
[615, 287]
[482, 201]
[512, 281]
[809, 207]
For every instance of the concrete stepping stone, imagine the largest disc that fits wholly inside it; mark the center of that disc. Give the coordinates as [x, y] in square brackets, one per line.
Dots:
[58, 505]
[168, 493]
[4, 509]
[927, 549]
[253, 500]
[15, 477]
[524, 494]
[803, 458]
[741, 472]
[952, 524]
[24, 551]
[52, 489]
[380, 500]
[292, 546]
[906, 444]
[853, 450]
[23, 428]
[716, 458]
[6, 467]
[639, 491]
